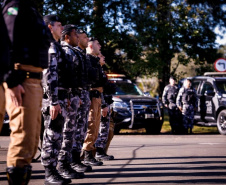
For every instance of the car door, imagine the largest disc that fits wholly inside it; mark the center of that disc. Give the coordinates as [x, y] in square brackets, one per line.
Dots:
[206, 102]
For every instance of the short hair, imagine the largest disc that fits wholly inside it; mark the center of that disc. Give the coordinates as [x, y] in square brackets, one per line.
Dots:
[67, 30]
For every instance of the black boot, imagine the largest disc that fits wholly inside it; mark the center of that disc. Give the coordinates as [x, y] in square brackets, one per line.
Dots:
[102, 156]
[90, 160]
[77, 165]
[52, 177]
[18, 176]
[67, 172]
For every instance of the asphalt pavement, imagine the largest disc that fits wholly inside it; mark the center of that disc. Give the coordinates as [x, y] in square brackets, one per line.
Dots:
[150, 159]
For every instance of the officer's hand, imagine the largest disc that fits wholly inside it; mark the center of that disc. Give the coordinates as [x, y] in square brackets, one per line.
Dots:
[180, 108]
[54, 111]
[166, 105]
[105, 111]
[15, 94]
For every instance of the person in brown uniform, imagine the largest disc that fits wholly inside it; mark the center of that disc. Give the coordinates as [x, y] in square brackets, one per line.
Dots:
[29, 43]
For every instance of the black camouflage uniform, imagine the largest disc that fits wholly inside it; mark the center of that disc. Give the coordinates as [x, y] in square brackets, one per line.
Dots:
[187, 99]
[58, 82]
[102, 139]
[169, 98]
[76, 91]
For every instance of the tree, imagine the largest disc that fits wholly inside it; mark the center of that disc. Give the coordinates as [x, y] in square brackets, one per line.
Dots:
[168, 27]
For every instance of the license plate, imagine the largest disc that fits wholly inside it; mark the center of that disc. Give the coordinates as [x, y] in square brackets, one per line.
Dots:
[149, 116]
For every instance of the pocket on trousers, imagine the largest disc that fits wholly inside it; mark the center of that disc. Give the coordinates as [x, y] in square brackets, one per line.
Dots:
[57, 124]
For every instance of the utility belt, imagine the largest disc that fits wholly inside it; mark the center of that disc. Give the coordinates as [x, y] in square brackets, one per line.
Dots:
[95, 94]
[28, 74]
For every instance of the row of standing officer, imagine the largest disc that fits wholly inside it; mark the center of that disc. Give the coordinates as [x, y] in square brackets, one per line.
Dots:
[73, 99]
[22, 62]
[181, 105]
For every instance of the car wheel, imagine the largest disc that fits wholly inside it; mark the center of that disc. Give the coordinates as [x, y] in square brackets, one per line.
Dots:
[221, 122]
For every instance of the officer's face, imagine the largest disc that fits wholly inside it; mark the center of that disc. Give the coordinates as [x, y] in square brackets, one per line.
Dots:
[96, 47]
[187, 84]
[56, 30]
[73, 38]
[172, 81]
[83, 41]
[102, 59]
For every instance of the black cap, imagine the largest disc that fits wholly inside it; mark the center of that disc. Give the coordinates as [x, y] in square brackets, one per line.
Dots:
[68, 28]
[80, 31]
[51, 18]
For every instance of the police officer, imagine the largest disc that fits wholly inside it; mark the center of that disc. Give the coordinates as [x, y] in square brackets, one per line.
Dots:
[96, 107]
[4, 64]
[102, 139]
[28, 57]
[187, 102]
[58, 111]
[86, 74]
[169, 100]
[69, 41]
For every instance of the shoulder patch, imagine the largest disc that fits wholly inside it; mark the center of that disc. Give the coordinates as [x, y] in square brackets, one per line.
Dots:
[12, 11]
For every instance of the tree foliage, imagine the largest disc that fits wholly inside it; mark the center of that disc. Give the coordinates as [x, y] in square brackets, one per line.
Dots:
[140, 37]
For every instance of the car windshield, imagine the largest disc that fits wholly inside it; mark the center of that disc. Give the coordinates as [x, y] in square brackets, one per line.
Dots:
[221, 86]
[124, 88]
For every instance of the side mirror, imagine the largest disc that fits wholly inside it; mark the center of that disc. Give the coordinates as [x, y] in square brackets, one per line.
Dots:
[209, 93]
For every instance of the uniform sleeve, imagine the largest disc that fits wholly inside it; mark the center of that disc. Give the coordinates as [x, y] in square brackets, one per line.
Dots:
[164, 95]
[179, 97]
[51, 76]
[103, 102]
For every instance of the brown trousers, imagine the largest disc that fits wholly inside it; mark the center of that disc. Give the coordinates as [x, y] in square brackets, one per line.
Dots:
[2, 105]
[93, 124]
[25, 124]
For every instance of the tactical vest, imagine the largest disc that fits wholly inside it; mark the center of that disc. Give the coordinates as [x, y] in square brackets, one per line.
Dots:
[67, 76]
[188, 96]
[101, 78]
[172, 94]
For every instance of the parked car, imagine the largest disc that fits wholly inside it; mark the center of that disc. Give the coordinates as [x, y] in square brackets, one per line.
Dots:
[132, 109]
[211, 91]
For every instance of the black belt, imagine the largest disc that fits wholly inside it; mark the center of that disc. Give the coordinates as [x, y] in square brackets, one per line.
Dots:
[75, 91]
[29, 74]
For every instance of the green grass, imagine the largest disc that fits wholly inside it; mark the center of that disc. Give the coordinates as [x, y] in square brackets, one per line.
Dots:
[196, 129]
[166, 129]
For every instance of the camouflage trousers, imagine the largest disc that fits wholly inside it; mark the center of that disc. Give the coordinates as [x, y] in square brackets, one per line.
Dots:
[82, 121]
[59, 133]
[103, 131]
[188, 116]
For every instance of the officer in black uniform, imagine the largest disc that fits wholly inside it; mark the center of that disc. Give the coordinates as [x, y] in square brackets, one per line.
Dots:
[187, 102]
[169, 100]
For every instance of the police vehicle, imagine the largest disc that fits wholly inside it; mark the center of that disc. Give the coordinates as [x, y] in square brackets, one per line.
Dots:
[132, 109]
[211, 91]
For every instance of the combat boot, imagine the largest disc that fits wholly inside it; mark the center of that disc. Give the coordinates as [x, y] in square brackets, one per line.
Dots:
[102, 156]
[90, 160]
[52, 177]
[77, 165]
[18, 176]
[66, 171]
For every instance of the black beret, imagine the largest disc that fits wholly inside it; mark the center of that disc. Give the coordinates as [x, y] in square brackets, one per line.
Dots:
[67, 28]
[92, 39]
[51, 18]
